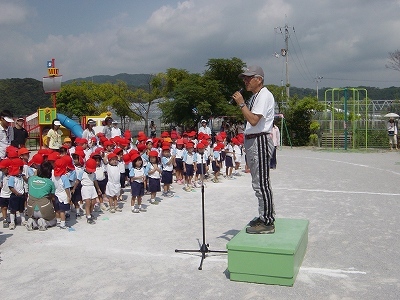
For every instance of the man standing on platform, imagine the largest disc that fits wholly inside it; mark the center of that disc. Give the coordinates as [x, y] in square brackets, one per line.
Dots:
[259, 115]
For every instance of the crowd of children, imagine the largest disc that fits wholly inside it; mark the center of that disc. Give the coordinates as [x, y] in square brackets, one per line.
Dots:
[89, 177]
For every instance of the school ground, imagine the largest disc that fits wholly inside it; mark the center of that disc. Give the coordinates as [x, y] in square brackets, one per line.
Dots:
[350, 198]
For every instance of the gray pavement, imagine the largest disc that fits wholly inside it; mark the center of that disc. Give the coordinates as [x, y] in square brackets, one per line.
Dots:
[350, 198]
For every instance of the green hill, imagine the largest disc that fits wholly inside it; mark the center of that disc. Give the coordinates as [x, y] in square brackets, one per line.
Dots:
[136, 80]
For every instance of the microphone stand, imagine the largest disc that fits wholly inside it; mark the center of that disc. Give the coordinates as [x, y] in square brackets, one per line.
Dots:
[204, 247]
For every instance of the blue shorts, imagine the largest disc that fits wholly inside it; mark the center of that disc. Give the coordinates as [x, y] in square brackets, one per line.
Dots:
[179, 164]
[228, 161]
[61, 206]
[189, 170]
[201, 169]
[102, 185]
[166, 177]
[17, 203]
[154, 185]
[77, 196]
[4, 202]
[215, 168]
[137, 188]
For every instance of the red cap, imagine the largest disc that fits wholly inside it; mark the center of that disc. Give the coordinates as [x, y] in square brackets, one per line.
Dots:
[12, 152]
[141, 147]
[127, 134]
[60, 167]
[165, 147]
[5, 163]
[135, 156]
[107, 143]
[126, 158]
[164, 134]
[189, 145]
[153, 153]
[68, 162]
[37, 159]
[117, 150]
[53, 156]
[16, 164]
[23, 151]
[111, 156]
[200, 146]
[91, 165]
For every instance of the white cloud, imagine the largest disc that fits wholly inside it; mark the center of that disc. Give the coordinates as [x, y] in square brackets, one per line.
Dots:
[12, 13]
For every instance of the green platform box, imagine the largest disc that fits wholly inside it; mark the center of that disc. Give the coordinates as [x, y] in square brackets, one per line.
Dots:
[269, 258]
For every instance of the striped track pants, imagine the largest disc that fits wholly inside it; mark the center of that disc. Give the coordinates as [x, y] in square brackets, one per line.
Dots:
[258, 154]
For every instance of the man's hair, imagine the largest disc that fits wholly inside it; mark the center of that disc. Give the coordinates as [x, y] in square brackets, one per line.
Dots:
[45, 169]
[6, 113]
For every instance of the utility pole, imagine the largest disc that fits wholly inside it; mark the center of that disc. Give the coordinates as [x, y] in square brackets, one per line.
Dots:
[317, 79]
[284, 53]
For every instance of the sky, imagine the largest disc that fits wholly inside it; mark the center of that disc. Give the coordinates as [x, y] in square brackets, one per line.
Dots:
[346, 42]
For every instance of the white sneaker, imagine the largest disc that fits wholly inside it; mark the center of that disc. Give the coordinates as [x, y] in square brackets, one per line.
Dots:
[112, 210]
[11, 226]
[118, 209]
[103, 207]
[29, 224]
[42, 224]
[135, 210]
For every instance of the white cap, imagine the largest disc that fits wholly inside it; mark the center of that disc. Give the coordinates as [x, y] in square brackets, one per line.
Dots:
[8, 119]
[57, 123]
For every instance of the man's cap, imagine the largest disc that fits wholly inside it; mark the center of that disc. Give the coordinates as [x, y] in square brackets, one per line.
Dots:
[67, 140]
[57, 123]
[20, 118]
[252, 71]
[8, 119]
[203, 121]
[114, 122]
[91, 122]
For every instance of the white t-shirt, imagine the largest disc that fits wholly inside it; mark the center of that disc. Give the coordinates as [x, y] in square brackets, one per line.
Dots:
[264, 104]
[113, 173]
[61, 183]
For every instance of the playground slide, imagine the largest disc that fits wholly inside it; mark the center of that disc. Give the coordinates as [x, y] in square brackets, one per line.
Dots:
[70, 124]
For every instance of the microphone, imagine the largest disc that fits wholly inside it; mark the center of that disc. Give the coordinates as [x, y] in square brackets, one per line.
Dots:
[232, 100]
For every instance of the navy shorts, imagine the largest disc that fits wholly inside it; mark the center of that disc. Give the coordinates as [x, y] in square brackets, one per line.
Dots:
[4, 202]
[201, 169]
[166, 177]
[154, 185]
[137, 188]
[17, 203]
[228, 161]
[77, 196]
[189, 170]
[61, 206]
[215, 168]
[102, 185]
[179, 164]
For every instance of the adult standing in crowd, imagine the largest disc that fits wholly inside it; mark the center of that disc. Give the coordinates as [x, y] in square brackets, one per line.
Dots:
[392, 133]
[115, 130]
[5, 131]
[89, 133]
[20, 133]
[259, 116]
[204, 128]
[107, 127]
[153, 129]
[54, 135]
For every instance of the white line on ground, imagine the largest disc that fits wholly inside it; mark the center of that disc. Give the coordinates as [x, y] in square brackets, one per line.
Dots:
[338, 273]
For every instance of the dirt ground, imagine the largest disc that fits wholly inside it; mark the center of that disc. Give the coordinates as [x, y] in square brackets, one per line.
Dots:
[350, 198]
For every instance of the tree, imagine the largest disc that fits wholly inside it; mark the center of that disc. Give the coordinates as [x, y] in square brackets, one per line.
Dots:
[79, 99]
[226, 72]
[394, 60]
[193, 98]
[299, 114]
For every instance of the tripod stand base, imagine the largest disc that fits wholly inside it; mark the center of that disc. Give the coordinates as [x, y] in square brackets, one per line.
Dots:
[203, 250]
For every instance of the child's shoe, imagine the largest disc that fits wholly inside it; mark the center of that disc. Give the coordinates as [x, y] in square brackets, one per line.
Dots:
[5, 224]
[103, 207]
[119, 209]
[142, 209]
[135, 210]
[112, 210]
[42, 224]
[11, 226]
[90, 220]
